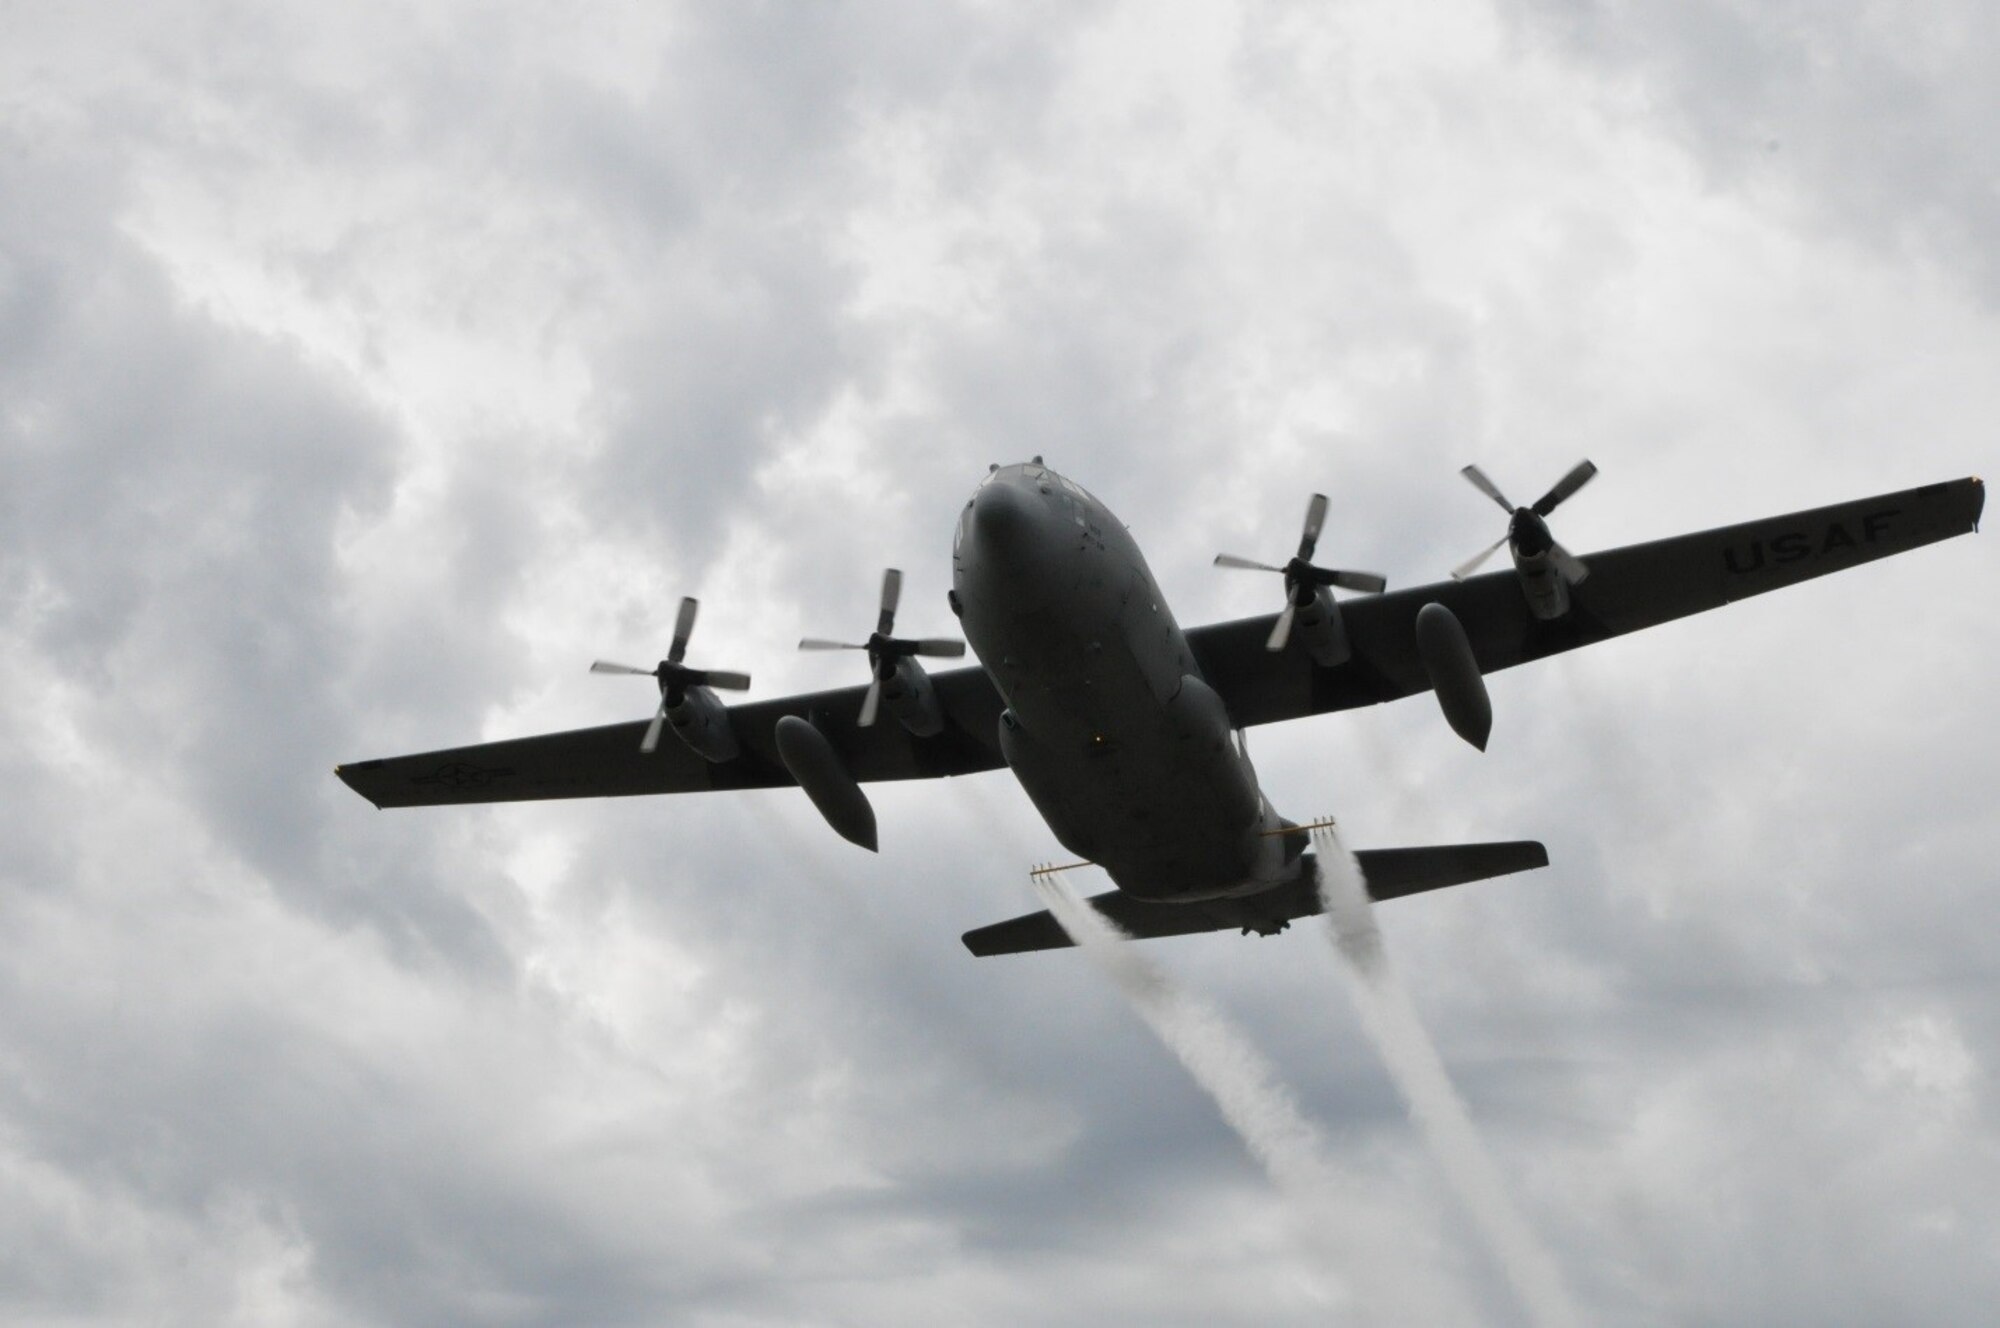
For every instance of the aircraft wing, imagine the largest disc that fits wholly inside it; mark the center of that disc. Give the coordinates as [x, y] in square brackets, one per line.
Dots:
[607, 763]
[1628, 588]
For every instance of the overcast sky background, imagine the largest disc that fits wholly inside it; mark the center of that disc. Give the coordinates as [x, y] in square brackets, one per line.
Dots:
[367, 369]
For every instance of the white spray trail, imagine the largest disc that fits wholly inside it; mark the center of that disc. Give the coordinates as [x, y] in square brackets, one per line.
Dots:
[1406, 1049]
[1219, 1057]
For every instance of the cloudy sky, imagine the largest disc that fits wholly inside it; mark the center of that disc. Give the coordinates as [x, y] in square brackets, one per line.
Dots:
[367, 369]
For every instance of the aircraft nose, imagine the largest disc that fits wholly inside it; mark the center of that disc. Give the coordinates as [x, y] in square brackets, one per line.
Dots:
[1004, 523]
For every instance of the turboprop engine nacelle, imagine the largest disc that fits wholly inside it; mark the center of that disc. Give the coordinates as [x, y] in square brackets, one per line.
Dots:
[1318, 628]
[701, 721]
[913, 700]
[1545, 569]
[1537, 566]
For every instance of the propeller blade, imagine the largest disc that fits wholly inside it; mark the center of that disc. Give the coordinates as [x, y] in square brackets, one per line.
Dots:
[1487, 487]
[892, 594]
[1471, 565]
[1571, 567]
[606, 666]
[1245, 564]
[1283, 631]
[1315, 518]
[724, 679]
[1567, 485]
[683, 627]
[652, 738]
[886, 652]
[1366, 582]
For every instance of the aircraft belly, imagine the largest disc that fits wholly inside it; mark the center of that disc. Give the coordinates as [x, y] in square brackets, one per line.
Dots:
[1180, 821]
[1134, 773]
[1112, 732]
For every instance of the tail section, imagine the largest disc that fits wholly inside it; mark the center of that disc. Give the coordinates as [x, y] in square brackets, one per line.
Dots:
[1391, 873]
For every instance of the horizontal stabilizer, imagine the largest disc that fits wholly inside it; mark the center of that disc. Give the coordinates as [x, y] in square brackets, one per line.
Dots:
[1394, 872]
[1391, 873]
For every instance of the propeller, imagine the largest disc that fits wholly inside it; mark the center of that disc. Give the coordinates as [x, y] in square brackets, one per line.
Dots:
[1528, 528]
[884, 650]
[1301, 577]
[675, 677]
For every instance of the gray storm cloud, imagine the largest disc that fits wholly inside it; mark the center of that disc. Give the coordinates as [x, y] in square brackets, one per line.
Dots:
[363, 374]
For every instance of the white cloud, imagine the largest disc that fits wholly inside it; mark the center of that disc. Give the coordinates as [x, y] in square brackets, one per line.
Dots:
[364, 372]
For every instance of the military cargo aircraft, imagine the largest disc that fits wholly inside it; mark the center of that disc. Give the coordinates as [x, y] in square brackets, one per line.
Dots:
[1126, 730]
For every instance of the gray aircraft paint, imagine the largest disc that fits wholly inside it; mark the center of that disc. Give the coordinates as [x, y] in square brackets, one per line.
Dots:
[1117, 739]
[1118, 724]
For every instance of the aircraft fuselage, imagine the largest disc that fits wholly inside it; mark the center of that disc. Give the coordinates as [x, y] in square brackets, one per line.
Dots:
[1123, 748]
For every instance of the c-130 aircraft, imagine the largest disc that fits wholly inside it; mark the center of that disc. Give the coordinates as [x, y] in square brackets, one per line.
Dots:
[1125, 730]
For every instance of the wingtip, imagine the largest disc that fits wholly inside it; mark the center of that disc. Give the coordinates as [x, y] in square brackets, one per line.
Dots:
[345, 771]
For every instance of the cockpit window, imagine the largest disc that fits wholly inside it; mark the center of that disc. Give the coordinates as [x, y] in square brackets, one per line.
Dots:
[1078, 489]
